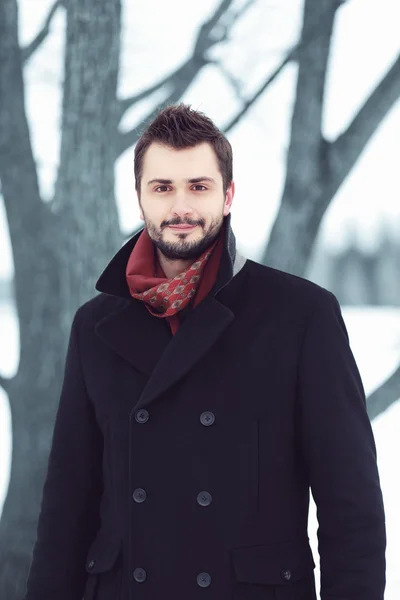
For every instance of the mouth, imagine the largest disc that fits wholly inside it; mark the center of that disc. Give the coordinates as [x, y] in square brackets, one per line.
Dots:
[182, 228]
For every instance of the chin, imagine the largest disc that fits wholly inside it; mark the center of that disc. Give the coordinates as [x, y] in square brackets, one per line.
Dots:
[183, 236]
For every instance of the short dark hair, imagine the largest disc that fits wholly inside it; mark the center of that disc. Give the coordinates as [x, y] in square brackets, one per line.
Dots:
[180, 126]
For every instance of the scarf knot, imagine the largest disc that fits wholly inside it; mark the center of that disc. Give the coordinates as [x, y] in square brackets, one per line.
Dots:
[163, 297]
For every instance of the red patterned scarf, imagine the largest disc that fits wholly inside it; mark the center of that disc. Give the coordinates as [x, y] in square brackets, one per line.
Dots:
[166, 297]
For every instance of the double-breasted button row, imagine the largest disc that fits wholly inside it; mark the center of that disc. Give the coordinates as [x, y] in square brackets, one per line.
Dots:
[207, 417]
[204, 498]
[203, 579]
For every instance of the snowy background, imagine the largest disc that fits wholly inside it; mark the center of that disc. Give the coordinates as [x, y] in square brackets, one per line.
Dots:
[366, 41]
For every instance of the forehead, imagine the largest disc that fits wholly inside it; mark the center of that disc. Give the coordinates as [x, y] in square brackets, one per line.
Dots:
[168, 163]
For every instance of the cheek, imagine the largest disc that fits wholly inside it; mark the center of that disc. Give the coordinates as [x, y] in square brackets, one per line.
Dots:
[152, 213]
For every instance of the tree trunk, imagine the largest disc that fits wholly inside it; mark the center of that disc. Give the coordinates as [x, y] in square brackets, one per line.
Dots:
[315, 168]
[296, 224]
[84, 197]
[32, 413]
[292, 236]
[59, 251]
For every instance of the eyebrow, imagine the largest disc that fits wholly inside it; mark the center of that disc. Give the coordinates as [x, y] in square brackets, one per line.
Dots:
[193, 180]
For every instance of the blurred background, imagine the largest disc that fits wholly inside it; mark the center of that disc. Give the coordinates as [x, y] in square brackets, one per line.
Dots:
[307, 91]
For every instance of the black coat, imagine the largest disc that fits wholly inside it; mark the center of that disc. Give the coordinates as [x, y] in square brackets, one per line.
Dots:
[181, 465]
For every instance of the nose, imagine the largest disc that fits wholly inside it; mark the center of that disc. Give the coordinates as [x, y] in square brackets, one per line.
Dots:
[181, 206]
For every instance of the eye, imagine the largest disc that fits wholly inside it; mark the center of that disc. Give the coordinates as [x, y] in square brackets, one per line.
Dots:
[199, 186]
[163, 188]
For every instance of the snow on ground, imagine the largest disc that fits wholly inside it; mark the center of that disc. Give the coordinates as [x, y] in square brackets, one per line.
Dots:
[375, 340]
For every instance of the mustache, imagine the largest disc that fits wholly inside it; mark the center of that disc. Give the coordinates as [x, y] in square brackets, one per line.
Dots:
[178, 221]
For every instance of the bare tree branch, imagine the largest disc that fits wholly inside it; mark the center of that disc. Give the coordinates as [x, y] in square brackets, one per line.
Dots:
[29, 50]
[241, 11]
[346, 150]
[205, 36]
[180, 80]
[191, 67]
[235, 83]
[126, 103]
[178, 75]
[384, 396]
[227, 20]
[129, 138]
[291, 55]
[308, 36]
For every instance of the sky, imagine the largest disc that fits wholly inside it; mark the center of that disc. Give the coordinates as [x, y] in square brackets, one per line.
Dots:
[365, 44]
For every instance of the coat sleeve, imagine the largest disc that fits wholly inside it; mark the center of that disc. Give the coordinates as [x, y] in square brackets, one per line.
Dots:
[340, 455]
[69, 513]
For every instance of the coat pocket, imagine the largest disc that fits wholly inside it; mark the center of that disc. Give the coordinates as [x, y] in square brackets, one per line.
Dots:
[282, 571]
[104, 569]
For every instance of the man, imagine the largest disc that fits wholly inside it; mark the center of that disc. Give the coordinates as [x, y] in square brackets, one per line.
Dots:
[204, 395]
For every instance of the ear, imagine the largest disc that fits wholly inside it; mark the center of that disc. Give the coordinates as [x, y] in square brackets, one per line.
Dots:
[230, 192]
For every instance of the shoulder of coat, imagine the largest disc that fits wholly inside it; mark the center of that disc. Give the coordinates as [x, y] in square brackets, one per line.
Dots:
[282, 285]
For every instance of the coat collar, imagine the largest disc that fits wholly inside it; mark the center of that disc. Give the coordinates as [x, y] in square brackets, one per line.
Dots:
[113, 279]
[146, 342]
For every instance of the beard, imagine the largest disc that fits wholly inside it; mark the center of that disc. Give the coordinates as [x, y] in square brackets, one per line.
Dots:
[183, 249]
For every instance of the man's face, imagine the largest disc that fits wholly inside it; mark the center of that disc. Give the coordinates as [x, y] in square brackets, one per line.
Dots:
[183, 188]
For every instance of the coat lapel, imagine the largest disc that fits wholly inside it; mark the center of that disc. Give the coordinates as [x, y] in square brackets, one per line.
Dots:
[194, 338]
[134, 334]
[148, 345]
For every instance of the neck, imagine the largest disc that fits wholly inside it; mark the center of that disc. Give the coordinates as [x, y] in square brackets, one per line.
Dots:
[172, 268]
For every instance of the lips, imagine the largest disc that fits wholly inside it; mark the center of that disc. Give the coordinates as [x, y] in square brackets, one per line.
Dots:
[179, 227]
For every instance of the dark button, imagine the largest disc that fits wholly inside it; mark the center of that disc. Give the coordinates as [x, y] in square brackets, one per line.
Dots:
[203, 579]
[91, 564]
[139, 575]
[286, 574]
[142, 415]
[207, 418]
[204, 498]
[139, 495]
